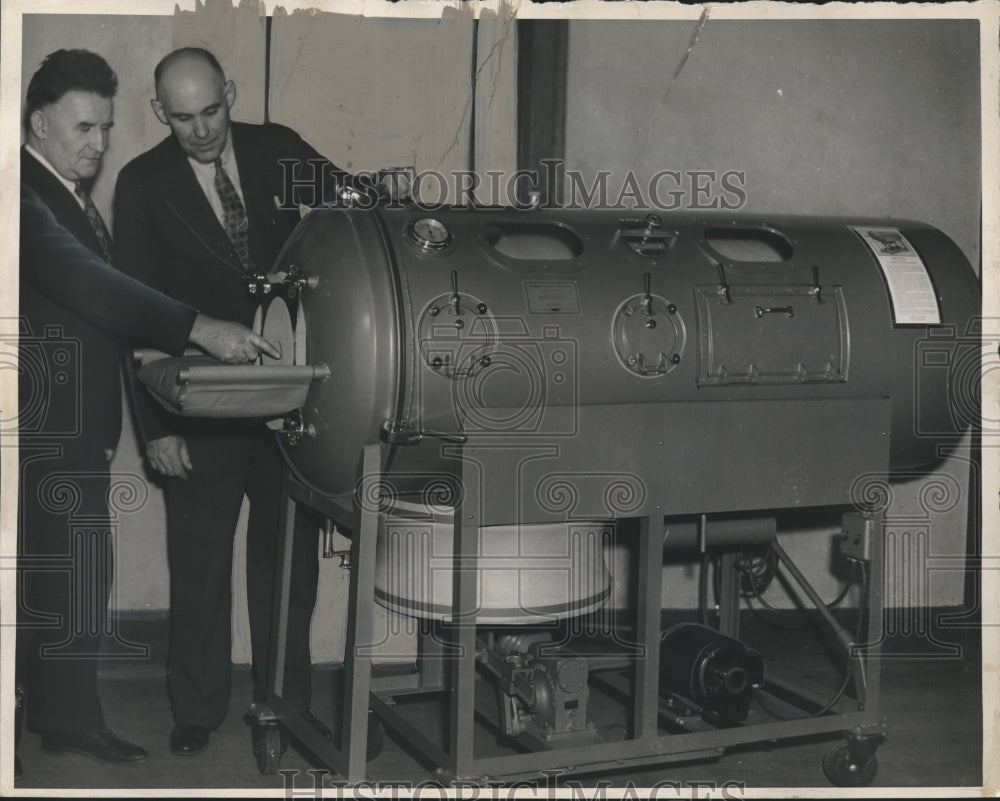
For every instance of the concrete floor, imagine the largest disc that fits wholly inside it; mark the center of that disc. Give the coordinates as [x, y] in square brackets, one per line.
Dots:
[933, 708]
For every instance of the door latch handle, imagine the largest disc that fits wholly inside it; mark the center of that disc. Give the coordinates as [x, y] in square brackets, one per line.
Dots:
[760, 311]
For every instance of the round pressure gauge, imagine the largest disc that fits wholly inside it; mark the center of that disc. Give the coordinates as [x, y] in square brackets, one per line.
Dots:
[428, 233]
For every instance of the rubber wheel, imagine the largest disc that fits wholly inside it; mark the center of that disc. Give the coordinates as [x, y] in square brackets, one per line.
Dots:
[444, 777]
[843, 771]
[267, 749]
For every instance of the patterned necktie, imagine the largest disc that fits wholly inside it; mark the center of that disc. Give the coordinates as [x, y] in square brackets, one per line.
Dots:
[234, 215]
[95, 220]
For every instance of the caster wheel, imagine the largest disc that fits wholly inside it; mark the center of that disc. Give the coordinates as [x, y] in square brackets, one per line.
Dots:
[268, 748]
[841, 768]
[444, 777]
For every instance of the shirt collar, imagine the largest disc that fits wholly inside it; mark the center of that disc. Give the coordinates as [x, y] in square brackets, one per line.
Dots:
[228, 157]
[70, 185]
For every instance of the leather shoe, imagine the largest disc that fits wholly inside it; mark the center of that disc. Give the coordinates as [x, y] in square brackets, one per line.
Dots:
[318, 724]
[188, 738]
[102, 745]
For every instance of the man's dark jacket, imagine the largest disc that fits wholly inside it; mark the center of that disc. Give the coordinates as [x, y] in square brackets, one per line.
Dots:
[75, 309]
[168, 237]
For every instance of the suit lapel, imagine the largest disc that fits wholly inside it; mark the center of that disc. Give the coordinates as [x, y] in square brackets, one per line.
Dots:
[183, 196]
[60, 201]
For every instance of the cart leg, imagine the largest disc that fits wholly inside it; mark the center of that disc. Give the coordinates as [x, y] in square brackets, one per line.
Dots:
[647, 664]
[358, 648]
[462, 702]
[729, 596]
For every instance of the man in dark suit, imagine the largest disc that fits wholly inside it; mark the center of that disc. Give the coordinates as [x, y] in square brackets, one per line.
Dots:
[74, 310]
[213, 202]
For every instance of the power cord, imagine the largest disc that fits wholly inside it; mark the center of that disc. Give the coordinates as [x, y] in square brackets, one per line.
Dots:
[862, 616]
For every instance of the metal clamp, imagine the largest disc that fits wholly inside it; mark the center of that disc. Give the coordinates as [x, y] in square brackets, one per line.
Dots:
[534, 201]
[816, 290]
[296, 280]
[760, 311]
[723, 284]
[257, 283]
[290, 283]
[293, 428]
[403, 434]
[329, 544]
[646, 304]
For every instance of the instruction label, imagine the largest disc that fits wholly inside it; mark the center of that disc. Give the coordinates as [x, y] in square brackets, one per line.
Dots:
[552, 297]
[914, 301]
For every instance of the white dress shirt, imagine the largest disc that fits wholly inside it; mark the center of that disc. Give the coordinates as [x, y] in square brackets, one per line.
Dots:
[70, 185]
[205, 173]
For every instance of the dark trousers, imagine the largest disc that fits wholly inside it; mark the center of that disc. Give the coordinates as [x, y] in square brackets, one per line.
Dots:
[64, 579]
[202, 513]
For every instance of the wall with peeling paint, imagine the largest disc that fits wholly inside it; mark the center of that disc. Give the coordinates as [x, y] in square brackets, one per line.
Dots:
[850, 117]
[375, 93]
[864, 118]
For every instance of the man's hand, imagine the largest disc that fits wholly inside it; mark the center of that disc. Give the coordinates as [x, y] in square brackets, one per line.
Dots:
[229, 342]
[169, 456]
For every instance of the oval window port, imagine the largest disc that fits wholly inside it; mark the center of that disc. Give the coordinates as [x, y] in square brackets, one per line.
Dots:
[533, 241]
[749, 244]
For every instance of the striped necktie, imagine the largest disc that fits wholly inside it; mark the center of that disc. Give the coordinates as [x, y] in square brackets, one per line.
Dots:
[95, 220]
[234, 215]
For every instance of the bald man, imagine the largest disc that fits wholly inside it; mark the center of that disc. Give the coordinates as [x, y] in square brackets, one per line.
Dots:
[203, 201]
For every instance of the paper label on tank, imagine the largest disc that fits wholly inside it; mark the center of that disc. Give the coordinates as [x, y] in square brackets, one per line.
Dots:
[914, 301]
[552, 297]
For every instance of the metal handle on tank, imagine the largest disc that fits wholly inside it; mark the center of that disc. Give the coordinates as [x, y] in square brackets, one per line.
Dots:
[395, 435]
[760, 311]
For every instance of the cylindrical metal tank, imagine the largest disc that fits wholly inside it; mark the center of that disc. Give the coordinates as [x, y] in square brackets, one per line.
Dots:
[498, 321]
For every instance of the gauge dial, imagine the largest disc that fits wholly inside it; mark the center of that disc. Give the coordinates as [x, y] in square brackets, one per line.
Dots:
[429, 234]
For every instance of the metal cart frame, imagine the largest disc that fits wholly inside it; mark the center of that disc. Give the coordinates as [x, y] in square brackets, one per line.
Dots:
[454, 677]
